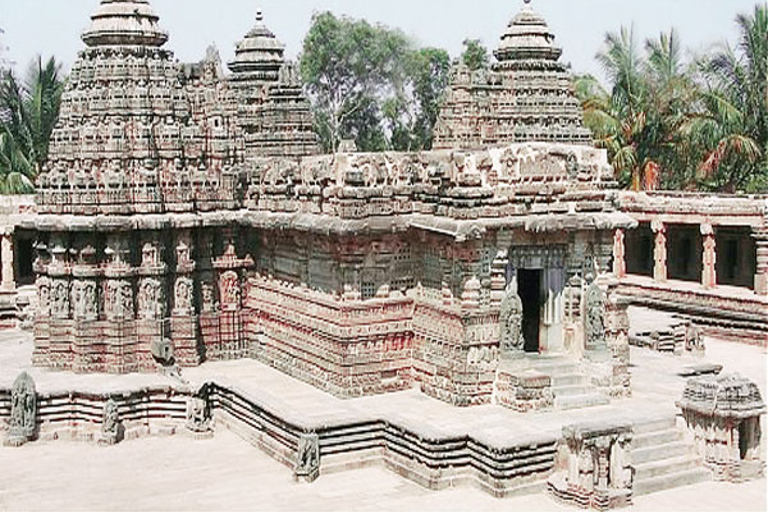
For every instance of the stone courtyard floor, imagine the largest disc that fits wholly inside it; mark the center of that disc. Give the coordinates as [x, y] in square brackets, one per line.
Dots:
[225, 473]
[228, 474]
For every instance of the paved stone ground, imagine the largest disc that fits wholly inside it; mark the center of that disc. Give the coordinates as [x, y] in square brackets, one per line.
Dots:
[226, 473]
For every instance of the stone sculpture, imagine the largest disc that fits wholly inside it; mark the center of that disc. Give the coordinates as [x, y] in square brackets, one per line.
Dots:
[111, 427]
[511, 321]
[199, 419]
[23, 424]
[599, 474]
[594, 331]
[308, 458]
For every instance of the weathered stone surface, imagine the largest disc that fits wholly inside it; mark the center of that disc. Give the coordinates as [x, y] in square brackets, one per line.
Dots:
[23, 422]
[527, 95]
[723, 415]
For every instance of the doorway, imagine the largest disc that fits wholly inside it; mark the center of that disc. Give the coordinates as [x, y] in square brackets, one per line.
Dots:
[529, 289]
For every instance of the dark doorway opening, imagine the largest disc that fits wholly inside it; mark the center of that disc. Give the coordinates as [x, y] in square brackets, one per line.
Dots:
[529, 289]
[743, 440]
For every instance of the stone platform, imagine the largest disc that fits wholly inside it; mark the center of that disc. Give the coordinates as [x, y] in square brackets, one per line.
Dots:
[432, 443]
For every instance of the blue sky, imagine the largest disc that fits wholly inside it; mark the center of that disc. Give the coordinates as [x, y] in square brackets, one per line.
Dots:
[53, 26]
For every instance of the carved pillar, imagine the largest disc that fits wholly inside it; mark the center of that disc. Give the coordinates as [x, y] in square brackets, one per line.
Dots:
[660, 251]
[619, 254]
[6, 255]
[709, 257]
[761, 272]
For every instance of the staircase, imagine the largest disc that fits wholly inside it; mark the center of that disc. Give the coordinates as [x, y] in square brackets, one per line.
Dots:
[571, 388]
[662, 459]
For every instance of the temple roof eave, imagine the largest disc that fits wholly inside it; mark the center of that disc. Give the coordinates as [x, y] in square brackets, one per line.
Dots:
[461, 230]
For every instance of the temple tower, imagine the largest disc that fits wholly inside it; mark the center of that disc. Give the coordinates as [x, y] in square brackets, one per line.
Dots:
[272, 109]
[526, 95]
[132, 165]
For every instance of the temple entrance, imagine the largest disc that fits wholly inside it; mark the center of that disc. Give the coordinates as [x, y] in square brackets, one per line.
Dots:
[529, 289]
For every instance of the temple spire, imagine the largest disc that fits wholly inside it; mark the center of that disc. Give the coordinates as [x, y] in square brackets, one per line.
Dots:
[124, 23]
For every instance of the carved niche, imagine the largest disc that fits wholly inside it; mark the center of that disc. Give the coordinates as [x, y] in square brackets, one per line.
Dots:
[43, 296]
[229, 286]
[84, 304]
[60, 302]
[183, 295]
[23, 422]
[118, 300]
[151, 299]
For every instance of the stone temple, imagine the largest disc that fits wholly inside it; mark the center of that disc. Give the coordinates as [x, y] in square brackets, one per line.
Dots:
[186, 217]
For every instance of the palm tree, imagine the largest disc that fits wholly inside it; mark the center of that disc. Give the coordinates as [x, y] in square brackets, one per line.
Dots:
[636, 119]
[732, 128]
[28, 115]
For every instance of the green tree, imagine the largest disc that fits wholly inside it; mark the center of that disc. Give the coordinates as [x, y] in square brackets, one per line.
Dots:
[28, 114]
[475, 55]
[348, 65]
[731, 129]
[411, 114]
[372, 84]
[640, 120]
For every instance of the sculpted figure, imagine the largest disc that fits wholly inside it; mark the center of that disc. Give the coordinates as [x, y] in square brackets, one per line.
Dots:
[209, 301]
[308, 458]
[198, 415]
[110, 424]
[44, 296]
[61, 300]
[595, 316]
[183, 294]
[511, 320]
[230, 291]
[23, 422]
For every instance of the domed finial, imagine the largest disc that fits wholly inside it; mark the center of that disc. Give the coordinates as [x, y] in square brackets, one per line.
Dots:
[259, 15]
[527, 2]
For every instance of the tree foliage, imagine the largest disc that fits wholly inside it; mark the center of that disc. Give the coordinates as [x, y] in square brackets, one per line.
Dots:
[29, 110]
[372, 84]
[475, 55]
[683, 124]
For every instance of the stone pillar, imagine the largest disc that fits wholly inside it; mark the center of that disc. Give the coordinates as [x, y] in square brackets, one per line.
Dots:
[660, 251]
[6, 255]
[709, 257]
[619, 254]
[761, 273]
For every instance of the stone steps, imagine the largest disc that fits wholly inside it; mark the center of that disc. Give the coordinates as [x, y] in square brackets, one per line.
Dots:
[579, 389]
[662, 459]
[655, 425]
[566, 403]
[659, 452]
[666, 466]
[572, 379]
[656, 438]
[570, 387]
[670, 481]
